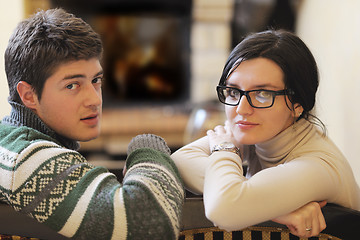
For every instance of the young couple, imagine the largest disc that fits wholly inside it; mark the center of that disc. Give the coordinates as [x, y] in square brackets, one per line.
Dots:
[268, 87]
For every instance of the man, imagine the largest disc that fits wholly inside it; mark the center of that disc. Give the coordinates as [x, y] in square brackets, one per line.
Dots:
[54, 74]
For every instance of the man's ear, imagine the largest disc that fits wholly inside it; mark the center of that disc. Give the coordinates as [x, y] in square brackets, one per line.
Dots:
[27, 94]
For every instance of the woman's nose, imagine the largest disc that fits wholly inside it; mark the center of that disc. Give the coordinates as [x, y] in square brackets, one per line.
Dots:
[244, 106]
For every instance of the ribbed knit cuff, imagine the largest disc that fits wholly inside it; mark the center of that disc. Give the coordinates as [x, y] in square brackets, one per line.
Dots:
[148, 141]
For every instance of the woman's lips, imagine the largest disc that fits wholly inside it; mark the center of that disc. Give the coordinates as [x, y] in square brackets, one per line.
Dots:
[244, 125]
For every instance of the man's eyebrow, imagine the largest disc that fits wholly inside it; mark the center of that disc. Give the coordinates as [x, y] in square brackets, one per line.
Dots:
[69, 77]
[99, 73]
[73, 76]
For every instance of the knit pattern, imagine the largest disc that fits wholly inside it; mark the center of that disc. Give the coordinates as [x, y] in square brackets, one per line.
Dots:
[22, 195]
[155, 179]
[57, 187]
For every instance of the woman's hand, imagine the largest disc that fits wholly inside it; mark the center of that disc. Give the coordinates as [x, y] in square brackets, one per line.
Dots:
[307, 221]
[220, 134]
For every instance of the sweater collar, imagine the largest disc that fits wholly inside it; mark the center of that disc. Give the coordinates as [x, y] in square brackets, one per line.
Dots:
[279, 148]
[23, 116]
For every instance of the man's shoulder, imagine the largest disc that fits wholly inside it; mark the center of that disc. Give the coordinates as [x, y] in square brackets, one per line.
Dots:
[23, 144]
[18, 138]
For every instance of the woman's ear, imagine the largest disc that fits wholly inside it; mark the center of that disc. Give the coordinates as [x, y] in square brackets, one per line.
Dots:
[298, 110]
[27, 94]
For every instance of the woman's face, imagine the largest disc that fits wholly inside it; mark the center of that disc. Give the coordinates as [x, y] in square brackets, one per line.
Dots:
[253, 125]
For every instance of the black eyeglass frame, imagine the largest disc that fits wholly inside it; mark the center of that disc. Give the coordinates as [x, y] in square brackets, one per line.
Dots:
[219, 90]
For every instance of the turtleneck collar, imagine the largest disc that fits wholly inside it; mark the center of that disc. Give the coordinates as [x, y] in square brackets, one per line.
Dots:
[23, 116]
[278, 149]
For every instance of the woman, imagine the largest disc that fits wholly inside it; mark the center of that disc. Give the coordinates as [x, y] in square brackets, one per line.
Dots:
[268, 86]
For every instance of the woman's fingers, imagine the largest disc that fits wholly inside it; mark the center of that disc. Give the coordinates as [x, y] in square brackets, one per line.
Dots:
[307, 221]
[315, 221]
[218, 135]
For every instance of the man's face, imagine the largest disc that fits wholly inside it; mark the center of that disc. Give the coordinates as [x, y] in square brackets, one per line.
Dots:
[71, 101]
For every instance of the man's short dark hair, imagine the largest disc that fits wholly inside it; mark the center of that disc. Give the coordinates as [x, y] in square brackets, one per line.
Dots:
[44, 41]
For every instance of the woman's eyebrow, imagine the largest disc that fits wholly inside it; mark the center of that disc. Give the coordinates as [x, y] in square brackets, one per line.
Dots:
[259, 86]
[265, 86]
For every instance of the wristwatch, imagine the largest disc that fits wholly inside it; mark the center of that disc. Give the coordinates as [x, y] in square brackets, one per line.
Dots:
[226, 146]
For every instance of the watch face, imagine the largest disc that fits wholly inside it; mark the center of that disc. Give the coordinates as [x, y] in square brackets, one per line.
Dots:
[227, 145]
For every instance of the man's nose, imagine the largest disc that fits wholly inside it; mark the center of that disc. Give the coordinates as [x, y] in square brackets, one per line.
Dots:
[93, 96]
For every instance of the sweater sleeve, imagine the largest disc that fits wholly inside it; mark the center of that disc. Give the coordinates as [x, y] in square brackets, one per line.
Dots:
[58, 188]
[192, 161]
[233, 202]
[153, 192]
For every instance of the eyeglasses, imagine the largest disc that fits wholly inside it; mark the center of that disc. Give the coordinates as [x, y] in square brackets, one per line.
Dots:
[257, 98]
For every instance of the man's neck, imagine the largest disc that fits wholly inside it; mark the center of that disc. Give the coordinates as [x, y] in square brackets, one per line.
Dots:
[23, 116]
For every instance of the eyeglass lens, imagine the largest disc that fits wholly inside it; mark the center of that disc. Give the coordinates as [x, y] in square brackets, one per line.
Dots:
[256, 98]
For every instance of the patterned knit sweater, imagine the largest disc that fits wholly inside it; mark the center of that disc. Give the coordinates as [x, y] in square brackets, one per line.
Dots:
[42, 175]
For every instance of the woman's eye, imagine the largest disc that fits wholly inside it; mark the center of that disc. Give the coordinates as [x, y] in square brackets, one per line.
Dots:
[263, 96]
[232, 93]
[72, 86]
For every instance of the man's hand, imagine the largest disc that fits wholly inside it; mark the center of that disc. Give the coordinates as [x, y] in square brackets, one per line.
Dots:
[307, 221]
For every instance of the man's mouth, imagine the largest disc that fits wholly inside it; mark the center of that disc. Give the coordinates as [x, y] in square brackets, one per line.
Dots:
[90, 117]
[91, 120]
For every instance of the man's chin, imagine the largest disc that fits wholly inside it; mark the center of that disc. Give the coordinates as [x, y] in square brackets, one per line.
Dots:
[86, 140]
[88, 137]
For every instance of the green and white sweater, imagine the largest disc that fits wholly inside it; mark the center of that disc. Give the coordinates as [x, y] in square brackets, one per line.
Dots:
[42, 175]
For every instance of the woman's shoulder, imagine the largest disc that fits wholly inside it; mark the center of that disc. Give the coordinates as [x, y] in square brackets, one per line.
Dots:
[321, 144]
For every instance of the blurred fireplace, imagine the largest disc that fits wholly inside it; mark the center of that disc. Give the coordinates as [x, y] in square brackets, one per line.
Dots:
[146, 48]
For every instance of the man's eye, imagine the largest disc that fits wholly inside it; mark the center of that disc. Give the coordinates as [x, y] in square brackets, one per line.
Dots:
[97, 80]
[72, 86]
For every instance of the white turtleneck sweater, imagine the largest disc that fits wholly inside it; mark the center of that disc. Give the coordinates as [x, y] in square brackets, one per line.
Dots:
[296, 167]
